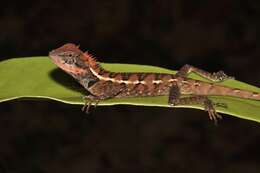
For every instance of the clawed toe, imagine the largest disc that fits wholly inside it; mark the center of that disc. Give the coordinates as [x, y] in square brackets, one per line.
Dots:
[213, 115]
[86, 107]
[88, 103]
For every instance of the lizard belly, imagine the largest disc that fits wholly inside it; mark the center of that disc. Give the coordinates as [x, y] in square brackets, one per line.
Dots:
[106, 89]
[143, 90]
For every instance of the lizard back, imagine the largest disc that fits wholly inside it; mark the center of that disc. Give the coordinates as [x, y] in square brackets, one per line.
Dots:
[100, 82]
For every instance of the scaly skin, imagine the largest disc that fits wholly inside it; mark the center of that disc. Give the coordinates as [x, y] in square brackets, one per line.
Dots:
[102, 84]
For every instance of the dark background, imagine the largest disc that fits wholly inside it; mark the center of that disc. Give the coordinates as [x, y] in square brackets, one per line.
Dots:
[47, 136]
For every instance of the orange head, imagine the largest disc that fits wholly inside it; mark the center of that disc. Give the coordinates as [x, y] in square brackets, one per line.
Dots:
[67, 57]
[72, 60]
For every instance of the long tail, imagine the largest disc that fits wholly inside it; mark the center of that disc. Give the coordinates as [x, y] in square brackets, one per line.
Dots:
[213, 89]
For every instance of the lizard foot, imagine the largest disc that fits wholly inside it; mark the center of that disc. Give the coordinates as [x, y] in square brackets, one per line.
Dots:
[213, 115]
[220, 76]
[89, 101]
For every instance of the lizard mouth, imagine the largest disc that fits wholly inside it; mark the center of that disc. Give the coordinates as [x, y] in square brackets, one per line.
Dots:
[54, 58]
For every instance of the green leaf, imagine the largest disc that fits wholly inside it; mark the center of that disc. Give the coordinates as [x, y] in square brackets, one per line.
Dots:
[38, 77]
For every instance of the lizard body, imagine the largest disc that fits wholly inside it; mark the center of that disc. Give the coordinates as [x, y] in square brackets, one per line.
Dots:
[102, 84]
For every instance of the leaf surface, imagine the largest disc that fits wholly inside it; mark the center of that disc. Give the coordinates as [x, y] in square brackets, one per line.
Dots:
[38, 77]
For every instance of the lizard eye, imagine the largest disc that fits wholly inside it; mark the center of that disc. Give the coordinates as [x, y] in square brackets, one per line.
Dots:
[70, 55]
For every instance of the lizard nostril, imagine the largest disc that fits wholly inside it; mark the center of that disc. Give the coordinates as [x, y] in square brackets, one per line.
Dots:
[51, 53]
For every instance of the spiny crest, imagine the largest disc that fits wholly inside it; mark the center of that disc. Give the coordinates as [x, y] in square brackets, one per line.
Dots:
[91, 60]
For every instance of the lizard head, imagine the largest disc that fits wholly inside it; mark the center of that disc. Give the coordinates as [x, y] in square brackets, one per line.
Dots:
[70, 59]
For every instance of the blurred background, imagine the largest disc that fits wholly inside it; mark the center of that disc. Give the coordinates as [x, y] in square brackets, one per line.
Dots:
[48, 136]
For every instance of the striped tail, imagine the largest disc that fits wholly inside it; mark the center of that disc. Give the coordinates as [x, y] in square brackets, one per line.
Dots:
[213, 89]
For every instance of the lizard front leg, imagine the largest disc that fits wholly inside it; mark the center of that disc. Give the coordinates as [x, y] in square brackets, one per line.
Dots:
[215, 77]
[175, 99]
[101, 90]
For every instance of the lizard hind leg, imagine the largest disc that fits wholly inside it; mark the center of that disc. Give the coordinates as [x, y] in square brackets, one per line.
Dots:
[214, 77]
[209, 106]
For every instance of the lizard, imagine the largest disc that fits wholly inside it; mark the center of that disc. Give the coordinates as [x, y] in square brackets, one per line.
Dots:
[102, 84]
